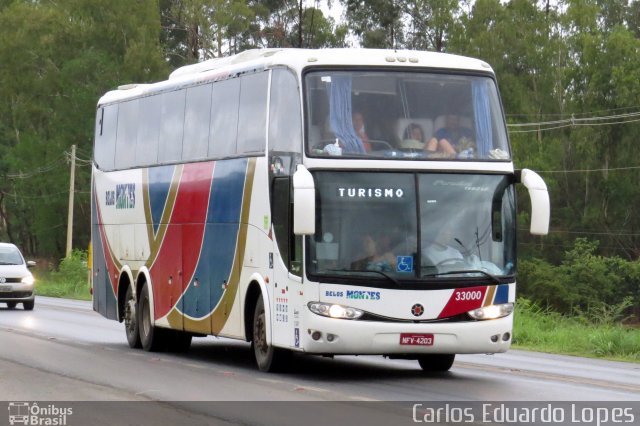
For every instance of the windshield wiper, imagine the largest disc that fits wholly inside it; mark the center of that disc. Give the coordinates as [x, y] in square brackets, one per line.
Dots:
[465, 271]
[9, 263]
[384, 274]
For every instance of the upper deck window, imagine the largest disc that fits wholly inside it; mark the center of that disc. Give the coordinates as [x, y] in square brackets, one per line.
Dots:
[391, 114]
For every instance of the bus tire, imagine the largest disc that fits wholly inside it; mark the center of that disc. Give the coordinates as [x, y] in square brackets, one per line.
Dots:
[28, 306]
[178, 341]
[131, 320]
[153, 339]
[11, 305]
[436, 362]
[268, 358]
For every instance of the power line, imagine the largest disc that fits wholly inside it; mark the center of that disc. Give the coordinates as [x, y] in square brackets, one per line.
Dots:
[579, 232]
[44, 169]
[564, 114]
[575, 122]
[39, 197]
[64, 158]
[574, 125]
[35, 197]
[612, 169]
[570, 245]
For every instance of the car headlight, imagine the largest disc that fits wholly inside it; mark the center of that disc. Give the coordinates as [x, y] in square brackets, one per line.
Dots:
[491, 312]
[334, 311]
[29, 280]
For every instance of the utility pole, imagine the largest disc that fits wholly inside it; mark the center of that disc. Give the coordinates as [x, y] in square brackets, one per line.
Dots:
[71, 193]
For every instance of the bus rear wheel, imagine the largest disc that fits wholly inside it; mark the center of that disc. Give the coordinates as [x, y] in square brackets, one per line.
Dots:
[153, 339]
[436, 362]
[268, 358]
[131, 320]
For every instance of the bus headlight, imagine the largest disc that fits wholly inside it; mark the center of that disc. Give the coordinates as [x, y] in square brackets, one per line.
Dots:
[491, 312]
[334, 311]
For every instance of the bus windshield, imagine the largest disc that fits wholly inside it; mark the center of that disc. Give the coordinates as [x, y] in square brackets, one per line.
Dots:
[408, 115]
[406, 227]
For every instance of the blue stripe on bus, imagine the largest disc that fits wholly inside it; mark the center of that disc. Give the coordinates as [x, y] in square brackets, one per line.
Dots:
[502, 294]
[227, 191]
[103, 298]
[159, 185]
[220, 239]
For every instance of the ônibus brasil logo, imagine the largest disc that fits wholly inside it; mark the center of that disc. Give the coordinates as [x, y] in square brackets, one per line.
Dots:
[32, 414]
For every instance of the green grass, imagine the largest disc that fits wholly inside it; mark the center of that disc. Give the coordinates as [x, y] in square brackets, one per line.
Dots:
[70, 281]
[47, 285]
[543, 330]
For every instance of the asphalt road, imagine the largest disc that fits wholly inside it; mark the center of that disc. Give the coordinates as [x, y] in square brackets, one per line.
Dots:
[63, 351]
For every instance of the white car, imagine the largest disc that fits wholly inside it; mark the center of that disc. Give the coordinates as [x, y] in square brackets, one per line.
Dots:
[16, 282]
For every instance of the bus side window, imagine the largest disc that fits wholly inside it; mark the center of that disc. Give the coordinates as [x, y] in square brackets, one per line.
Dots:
[172, 127]
[127, 134]
[105, 138]
[148, 130]
[196, 123]
[285, 123]
[252, 114]
[223, 131]
[289, 245]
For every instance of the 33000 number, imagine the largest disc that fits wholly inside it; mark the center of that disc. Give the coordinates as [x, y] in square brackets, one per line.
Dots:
[468, 295]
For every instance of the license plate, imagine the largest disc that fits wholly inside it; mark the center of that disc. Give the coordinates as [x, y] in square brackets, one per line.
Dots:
[5, 288]
[412, 339]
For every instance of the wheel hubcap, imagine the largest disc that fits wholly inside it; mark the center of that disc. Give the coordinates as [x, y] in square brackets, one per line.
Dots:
[130, 315]
[260, 334]
[146, 321]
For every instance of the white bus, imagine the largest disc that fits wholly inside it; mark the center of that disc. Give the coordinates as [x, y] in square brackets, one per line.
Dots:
[339, 201]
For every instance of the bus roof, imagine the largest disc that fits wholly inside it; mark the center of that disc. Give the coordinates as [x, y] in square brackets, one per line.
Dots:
[297, 59]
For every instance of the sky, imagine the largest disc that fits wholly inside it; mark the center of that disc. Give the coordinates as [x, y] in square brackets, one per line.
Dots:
[335, 11]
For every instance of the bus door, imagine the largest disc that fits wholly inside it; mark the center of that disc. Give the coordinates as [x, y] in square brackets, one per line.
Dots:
[287, 289]
[285, 152]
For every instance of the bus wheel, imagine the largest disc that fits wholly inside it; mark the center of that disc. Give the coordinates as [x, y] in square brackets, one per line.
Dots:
[436, 362]
[267, 357]
[11, 305]
[179, 341]
[153, 339]
[28, 306]
[131, 320]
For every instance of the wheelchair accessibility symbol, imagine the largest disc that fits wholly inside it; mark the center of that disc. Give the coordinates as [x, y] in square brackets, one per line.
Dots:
[404, 263]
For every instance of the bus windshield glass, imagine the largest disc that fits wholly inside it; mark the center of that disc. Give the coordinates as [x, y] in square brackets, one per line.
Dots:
[407, 227]
[408, 115]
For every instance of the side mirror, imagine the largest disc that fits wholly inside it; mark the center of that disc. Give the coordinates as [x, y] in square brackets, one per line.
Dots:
[31, 263]
[540, 206]
[304, 202]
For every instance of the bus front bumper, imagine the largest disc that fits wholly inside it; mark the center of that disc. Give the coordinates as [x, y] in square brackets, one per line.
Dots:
[323, 335]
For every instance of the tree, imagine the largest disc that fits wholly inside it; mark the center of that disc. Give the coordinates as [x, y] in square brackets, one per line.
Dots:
[195, 30]
[431, 22]
[71, 52]
[377, 22]
[319, 31]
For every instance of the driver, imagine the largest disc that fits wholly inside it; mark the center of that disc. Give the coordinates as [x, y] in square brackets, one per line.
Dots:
[376, 254]
[439, 251]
